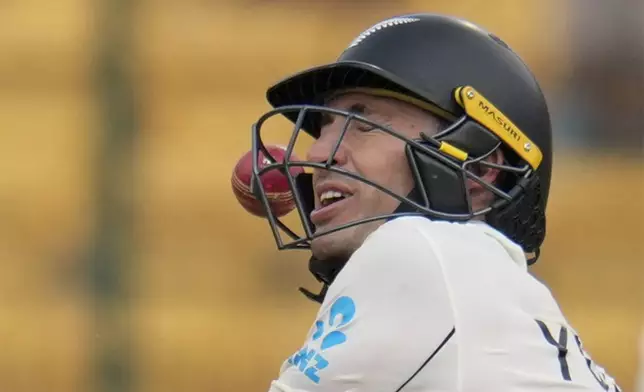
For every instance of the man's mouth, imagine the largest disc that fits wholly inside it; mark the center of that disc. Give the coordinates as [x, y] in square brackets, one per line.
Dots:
[329, 197]
[330, 203]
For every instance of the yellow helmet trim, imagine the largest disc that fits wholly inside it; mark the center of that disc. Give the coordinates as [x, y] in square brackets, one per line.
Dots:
[484, 112]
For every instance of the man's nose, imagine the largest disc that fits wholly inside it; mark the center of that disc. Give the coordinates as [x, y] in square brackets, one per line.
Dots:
[323, 148]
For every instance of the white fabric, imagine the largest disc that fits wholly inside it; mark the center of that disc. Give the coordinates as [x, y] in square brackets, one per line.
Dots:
[411, 284]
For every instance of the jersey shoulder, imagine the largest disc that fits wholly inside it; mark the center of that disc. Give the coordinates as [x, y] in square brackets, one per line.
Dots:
[385, 314]
[399, 249]
[444, 239]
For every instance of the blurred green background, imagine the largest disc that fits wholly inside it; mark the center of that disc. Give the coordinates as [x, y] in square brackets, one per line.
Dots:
[126, 263]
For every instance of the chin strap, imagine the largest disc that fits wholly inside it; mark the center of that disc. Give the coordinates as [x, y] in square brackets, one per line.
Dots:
[319, 298]
[325, 272]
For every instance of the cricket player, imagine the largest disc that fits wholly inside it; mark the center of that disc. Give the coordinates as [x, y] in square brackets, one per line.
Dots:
[423, 207]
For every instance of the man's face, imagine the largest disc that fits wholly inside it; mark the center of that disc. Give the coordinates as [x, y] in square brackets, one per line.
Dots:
[370, 153]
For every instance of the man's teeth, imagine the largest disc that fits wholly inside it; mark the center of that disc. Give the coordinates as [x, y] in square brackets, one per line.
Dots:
[330, 196]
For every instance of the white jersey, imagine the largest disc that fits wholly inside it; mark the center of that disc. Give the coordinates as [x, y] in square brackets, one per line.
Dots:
[437, 306]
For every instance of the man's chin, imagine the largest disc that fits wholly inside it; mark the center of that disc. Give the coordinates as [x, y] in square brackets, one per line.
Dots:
[341, 243]
[333, 245]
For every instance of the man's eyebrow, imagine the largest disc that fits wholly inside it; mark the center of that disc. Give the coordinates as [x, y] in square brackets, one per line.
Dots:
[364, 110]
[356, 108]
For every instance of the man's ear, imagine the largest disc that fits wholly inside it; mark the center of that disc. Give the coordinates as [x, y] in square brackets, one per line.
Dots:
[491, 174]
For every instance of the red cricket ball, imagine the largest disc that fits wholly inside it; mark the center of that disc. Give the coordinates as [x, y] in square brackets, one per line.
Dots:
[276, 186]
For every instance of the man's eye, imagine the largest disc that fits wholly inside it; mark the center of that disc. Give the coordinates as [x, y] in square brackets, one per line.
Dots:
[365, 127]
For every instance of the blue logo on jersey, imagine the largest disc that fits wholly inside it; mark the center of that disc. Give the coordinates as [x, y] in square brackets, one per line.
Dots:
[309, 360]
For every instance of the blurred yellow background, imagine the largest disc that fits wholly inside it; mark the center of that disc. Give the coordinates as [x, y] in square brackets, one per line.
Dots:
[126, 263]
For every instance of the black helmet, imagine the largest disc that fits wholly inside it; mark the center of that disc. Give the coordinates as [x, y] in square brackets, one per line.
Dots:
[462, 74]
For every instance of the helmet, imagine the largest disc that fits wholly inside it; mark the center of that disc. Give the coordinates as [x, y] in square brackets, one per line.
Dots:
[460, 73]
